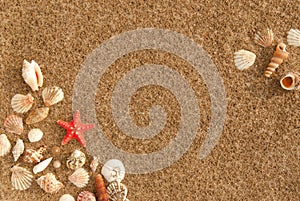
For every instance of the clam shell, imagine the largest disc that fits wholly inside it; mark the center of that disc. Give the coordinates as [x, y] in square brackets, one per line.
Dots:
[32, 75]
[21, 178]
[35, 135]
[117, 191]
[243, 59]
[264, 39]
[4, 145]
[49, 183]
[79, 178]
[293, 37]
[86, 196]
[76, 160]
[66, 197]
[14, 124]
[22, 103]
[52, 95]
[94, 164]
[113, 170]
[42, 166]
[37, 115]
[18, 149]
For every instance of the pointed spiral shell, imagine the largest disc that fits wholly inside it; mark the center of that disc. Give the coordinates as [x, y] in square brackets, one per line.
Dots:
[279, 55]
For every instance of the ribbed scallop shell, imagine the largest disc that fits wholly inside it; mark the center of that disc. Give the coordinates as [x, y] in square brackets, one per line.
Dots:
[22, 103]
[86, 196]
[49, 183]
[76, 160]
[293, 37]
[52, 95]
[79, 178]
[4, 145]
[264, 39]
[21, 178]
[243, 59]
[18, 149]
[37, 115]
[32, 75]
[35, 135]
[14, 124]
[66, 197]
[113, 170]
[42, 166]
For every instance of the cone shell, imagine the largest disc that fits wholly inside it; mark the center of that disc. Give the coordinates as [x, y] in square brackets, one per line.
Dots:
[37, 115]
[4, 145]
[21, 178]
[100, 189]
[22, 103]
[117, 191]
[32, 75]
[94, 164]
[52, 95]
[35, 135]
[290, 81]
[42, 166]
[49, 183]
[18, 149]
[264, 39]
[34, 156]
[14, 124]
[76, 160]
[113, 170]
[243, 59]
[66, 197]
[293, 37]
[86, 196]
[79, 178]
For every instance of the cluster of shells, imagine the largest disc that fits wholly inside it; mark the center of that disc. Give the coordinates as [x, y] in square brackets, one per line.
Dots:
[243, 59]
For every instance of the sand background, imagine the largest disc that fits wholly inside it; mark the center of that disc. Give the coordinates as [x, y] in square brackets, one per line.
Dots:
[257, 157]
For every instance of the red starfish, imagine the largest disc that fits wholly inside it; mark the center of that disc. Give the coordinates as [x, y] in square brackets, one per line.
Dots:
[75, 129]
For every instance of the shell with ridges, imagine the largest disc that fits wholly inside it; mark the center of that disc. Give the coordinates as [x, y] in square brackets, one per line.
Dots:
[22, 103]
[18, 149]
[86, 196]
[243, 59]
[14, 124]
[52, 95]
[117, 191]
[79, 178]
[66, 197]
[76, 160]
[32, 75]
[42, 166]
[49, 183]
[4, 145]
[21, 178]
[34, 156]
[113, 170]
[264, 39]
[293, 37]
[101, 192]
[279, 55]
[35, 135]
[37, 115]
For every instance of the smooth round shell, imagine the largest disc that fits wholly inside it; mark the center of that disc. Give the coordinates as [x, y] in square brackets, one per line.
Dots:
[113, 170]
[14, 124]
[22, 103]
[86, 196]
[52, 95]
[55, 151]
[66, 197]
[35, 135]
[56, 164]
[5, 145]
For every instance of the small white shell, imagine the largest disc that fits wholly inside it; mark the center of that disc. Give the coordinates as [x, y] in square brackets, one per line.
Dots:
[243, 59]
[264, 39]
[66, 197]
[4, 145]
[35, 135]
[42, 166]
[113, 170]
[14, 124]
[56, 164]
[79, 178]
[52, 95]
[18, 149]
[21, 103]
[32, 75]
[21, 178]
[293, 37]
[94, 164]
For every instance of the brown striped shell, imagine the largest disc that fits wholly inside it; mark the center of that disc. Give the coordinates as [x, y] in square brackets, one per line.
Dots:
[101, 193]
[279, 55]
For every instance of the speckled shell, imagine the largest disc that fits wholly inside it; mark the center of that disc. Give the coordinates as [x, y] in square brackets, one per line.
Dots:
[86, 196]
[49, 183]
[18, 149]
[117, 191]
[101, 192]
[37, 115]
[32, 75]
[41, 166]
[279, 55]
[76, 160]
[66, 197]
[14, 124]
[22, 103]
[113, 170]
[5, 145]
[21, 179]
[34, 156]
[52, 95]
[94, 164]
[79, 178]
[35, 135]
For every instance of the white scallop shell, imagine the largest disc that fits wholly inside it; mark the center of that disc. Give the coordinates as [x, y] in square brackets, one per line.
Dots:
[264, 39]
[243, 59]
[35, 135]
[21, 178]
[22, 103]
[52, 95]
[18, 149]
[42, 166]
[32, 75]
[113, 170]
[94, 164]
[293, 37]
[14, 124]
[4, 145]
[79, 178]
[66, 197]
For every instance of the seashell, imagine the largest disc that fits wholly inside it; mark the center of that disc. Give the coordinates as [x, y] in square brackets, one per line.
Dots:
[76, 160]
[293, 37]
[264, 39]
[101, 193]
[52, 95]
[21, 103]
[94, 164]
[290, 81]
[18, 149]
[32, 75]
[21, 179]
[42, 166]
[14, 124]
[86, 196]
[37, 115]
[279, 55]
[243, 59]
[35, 135]
[55, 151]
[66, 197]
[113, 170]
[79, 178]
[56, 164]
[117, 191]
[49, 183]
[34, 156]
[4, 145]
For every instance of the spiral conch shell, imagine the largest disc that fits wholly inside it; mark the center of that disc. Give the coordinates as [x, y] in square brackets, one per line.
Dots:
[290, 81]
[32, 75]
[94, 164]
[21, 178]
[80, 178]
[18, 149]
[22, 103]
[100, 189]
[4, 145]
[34, 156]
[279, 55]
[49, 183]
[76, 160]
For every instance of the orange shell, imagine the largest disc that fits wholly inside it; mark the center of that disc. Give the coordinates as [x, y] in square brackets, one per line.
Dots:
[101, 193]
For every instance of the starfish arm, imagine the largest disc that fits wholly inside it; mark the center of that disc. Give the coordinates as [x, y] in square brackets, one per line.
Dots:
[69, 135]
[76, 118]
[80, 139]
[66, 125]
[85, 127]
